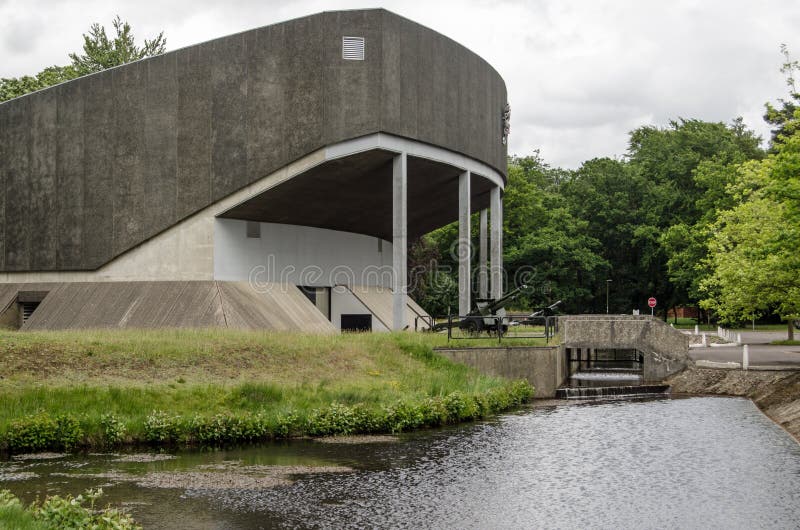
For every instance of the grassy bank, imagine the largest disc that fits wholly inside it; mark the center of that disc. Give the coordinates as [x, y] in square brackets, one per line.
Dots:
[64, 390]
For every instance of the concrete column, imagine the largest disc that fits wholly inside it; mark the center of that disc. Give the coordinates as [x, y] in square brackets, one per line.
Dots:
[496, 203]
[483, 255]
[399, 240]
[464, 250]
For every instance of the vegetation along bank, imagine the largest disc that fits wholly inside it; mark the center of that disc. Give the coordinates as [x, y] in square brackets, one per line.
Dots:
[72, 390]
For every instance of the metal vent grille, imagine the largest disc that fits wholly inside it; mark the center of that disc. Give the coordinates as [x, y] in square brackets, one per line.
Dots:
[27, 310]
[353, 48]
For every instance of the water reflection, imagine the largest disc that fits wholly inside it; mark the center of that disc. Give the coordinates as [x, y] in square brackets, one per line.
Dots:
[699, 462]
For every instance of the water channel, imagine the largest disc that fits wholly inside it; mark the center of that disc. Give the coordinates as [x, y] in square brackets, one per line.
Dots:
[659, 463]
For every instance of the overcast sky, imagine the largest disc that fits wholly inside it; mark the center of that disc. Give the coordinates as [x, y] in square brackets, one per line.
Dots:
[580, 74]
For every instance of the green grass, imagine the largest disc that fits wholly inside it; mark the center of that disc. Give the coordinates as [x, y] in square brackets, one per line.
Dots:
[98, 378]
[18, 518]
[785, 342]
[689, 323]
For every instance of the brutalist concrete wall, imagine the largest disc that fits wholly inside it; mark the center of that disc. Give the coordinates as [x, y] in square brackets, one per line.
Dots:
[543, 367]
[665, 349]
[96, 166]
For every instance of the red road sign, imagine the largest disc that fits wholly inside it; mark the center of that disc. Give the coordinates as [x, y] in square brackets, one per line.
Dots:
[651, 302]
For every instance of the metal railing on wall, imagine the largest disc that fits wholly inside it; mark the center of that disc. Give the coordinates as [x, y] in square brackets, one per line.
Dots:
[510, 327]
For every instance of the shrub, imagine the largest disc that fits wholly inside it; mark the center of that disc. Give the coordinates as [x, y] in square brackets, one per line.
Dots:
[42, 431]
[286, 425]
[113, 429]
[160, 427]
[68, 513]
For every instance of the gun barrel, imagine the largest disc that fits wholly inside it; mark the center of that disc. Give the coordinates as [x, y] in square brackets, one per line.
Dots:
[501, 302]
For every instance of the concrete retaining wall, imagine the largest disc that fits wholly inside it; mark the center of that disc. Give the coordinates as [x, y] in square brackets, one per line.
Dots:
[116, 305]
[543, 367]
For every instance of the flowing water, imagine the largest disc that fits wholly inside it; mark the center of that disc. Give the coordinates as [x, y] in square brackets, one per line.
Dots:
[664, 463]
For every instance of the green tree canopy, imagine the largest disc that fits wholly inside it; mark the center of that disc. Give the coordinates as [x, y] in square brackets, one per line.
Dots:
[782, 117]
[753, 252]
[99, 53]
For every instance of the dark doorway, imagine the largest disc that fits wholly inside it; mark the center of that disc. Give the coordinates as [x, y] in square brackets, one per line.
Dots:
[356, 323]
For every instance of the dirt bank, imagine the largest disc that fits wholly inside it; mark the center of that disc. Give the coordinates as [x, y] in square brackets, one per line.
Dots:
[776, 393]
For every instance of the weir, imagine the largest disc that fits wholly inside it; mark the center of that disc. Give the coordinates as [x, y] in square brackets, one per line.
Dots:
[605, 373]
[596, 356]
[619, 355]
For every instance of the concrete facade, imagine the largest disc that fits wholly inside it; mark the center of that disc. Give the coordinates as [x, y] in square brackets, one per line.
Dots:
[94, 167]
[155, 171]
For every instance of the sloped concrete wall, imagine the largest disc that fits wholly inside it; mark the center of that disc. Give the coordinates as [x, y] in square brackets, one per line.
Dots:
[198, 304]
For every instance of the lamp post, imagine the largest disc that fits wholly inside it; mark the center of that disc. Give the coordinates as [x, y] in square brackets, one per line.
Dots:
[607, 284]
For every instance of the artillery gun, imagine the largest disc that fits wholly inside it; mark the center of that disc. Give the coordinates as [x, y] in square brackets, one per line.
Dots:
[537, 316]
[487, 315]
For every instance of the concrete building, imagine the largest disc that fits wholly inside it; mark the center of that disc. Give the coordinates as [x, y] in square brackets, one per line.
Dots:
[268, 179]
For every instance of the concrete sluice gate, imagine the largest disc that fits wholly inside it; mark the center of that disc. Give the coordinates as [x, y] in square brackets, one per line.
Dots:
[617, 355]
[270, 179]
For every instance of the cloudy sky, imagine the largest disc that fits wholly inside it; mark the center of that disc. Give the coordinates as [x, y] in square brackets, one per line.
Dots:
[580, 74]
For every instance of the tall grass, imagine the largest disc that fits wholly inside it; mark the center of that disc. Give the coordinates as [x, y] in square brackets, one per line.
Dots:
[111, 382]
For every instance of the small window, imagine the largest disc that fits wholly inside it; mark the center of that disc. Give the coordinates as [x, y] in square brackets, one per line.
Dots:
[253, 230]
[353, 48]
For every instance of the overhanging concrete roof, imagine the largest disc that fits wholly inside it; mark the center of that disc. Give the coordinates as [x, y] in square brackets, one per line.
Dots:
[354, 194]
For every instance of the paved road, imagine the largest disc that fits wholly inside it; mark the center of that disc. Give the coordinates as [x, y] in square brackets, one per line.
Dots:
[760, 351]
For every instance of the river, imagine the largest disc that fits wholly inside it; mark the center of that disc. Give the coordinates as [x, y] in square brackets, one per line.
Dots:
[660, 463]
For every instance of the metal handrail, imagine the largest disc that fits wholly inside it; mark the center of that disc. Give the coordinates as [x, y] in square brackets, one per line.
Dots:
[502, 327]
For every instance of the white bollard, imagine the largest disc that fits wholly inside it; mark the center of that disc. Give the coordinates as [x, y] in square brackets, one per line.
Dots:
[696, 329]
[739, 338]
[745, 357]
[705, 341]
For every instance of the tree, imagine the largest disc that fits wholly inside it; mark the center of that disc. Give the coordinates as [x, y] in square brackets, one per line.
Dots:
[12, 87]
[781, 117]
[684, 167]
[609, 197]
[753, 253]
[547, 247]
[99, 53]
